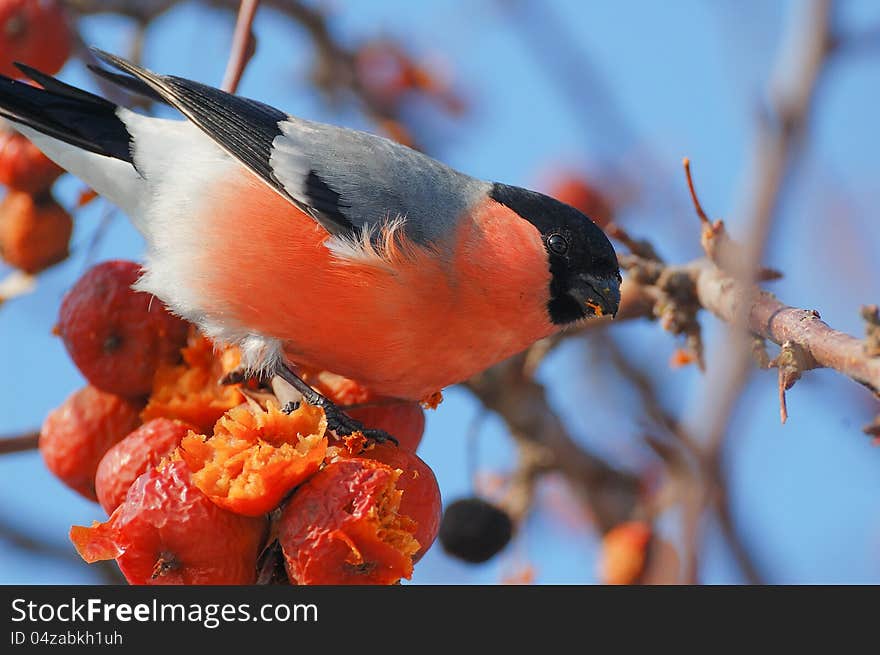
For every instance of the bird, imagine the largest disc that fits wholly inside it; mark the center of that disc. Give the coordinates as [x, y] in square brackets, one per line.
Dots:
[312, 245]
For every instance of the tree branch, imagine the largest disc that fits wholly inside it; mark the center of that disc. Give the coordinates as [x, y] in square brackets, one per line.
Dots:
[762, 313]
[772, 319]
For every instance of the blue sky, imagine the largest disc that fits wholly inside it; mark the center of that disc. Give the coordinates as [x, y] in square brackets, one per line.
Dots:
[685, 78]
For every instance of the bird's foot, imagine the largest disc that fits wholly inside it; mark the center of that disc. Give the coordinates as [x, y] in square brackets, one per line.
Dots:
[337, 420]
[291, 406]
[343, 425]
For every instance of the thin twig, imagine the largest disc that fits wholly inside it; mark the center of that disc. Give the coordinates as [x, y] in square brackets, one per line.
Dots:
[242, 45]
[694, 198]
[19, 443]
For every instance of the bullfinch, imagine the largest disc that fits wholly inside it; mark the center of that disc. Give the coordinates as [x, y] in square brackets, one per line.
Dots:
[309, 244]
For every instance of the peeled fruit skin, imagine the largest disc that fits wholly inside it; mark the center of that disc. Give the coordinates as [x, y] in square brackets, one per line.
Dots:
[76, 435]
[342, 527]
[168, 532]
[142, 449]
[33, 32]
[255, 457]
[474, 530]
[116, 336]
[421, 494]
[191, 391]
[23, 166]
[34, 231]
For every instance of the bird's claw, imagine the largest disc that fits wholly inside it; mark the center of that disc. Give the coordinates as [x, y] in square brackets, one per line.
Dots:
[291, 406]
[337, 420]
[343, 425]
[379, 436]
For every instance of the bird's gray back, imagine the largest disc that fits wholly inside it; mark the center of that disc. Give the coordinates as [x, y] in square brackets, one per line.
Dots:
[367, 179]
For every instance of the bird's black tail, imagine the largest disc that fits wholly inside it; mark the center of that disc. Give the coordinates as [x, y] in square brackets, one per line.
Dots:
[65, 112]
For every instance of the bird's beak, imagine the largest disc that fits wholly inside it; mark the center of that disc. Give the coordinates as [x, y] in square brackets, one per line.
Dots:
[601, 295]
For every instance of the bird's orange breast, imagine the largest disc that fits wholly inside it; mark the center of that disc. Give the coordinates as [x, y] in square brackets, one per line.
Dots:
[405, 327]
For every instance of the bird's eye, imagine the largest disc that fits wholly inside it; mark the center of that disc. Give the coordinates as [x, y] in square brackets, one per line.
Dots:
[557, 244]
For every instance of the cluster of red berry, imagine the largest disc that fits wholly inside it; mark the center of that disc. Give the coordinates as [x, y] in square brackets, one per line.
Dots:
[205, 481]
[34, 229]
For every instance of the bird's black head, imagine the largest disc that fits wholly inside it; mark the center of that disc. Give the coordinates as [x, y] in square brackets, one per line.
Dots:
[585, 276]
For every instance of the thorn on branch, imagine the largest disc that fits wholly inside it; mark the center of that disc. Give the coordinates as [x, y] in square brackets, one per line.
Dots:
[768, 275]
[791, 362]
[717, 244]
[694, 198]
[694, 343]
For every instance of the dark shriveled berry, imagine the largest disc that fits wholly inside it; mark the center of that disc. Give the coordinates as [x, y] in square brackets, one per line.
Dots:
[474, 530]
